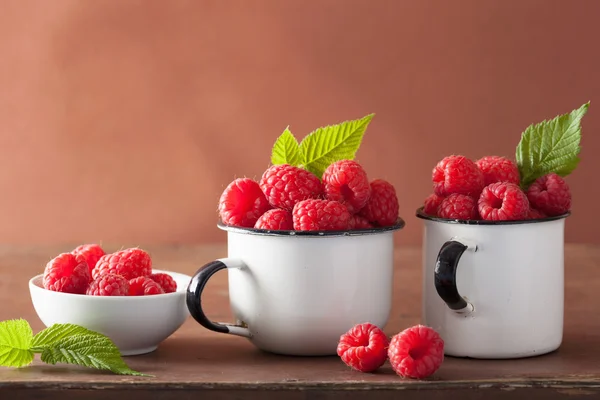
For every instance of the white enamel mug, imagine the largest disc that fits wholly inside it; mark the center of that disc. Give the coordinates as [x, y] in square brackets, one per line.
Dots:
[494, 289]
[296, 293]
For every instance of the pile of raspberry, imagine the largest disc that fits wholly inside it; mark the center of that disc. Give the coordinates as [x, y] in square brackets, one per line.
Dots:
[416, 352]
[490, 189]
[90, 271]
[291, 198]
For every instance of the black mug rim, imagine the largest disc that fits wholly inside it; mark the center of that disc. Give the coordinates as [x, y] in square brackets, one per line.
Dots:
[421, 214]
[400, 223]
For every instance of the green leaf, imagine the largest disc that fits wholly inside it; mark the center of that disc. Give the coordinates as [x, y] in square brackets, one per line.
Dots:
[90, 349]
[329, 144]
[550, 146]
[15, 343]
[56, 332]
[286, 150]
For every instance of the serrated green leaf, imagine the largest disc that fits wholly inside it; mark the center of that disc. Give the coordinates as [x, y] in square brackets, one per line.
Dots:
[286, 150]
[92, 350]
[15, 343]
[56, 332]
[329, 144]
[550, 146]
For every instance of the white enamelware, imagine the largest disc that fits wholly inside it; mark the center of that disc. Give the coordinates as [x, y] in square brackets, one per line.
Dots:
[136, 324]
[494, 289]
[296, 293]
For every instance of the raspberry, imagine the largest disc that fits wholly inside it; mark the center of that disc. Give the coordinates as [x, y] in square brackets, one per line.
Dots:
[108, 285]
[498, 169]
[416, 352]
[320, 215]
[242, 203]
[67, 273]
[275, 220]
[535, 214]
[502, 201]
[382, 207]
[431, 204]
[359, 222]
[346, 181]
[144, 286]
[129, 263]
[457, 174]
[165, 281]
[91, 253]
[363, 348]
[458, 206]
[550, 194]
[285, 185]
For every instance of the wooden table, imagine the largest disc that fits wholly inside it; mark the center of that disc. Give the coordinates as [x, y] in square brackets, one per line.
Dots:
[195, 361]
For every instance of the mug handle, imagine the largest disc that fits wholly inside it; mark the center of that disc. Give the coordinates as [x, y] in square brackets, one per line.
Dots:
[445, 275]
[194, 296]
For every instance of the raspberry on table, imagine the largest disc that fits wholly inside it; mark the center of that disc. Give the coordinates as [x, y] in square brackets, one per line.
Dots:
[242, 203]
[346, 181]
[502, 201]
[109, 285]
[359, 222]
[416, 352]
[165, 281]
[285, 185]
[363, 347]
[498, 169]
[320, 215]
[144, 286]
[550, 194]
[129, 263]
[459, 206]
[432, 204]
[91, 253]
[457, 174]
[275, 220]
[67, 273]
[382, 207]
[535, 214]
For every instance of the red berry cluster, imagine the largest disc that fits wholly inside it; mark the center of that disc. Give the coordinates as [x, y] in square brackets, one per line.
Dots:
[89, 270]
[416, 352]
[489, 189]
[292, 198]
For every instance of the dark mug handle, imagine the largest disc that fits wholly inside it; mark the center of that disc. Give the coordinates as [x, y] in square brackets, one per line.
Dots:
[194, 296]
[445, 275]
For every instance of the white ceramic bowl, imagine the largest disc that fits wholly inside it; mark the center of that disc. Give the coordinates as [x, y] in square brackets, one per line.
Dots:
[136, 324]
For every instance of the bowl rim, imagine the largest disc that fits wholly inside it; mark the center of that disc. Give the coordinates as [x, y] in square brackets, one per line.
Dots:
[180, 291]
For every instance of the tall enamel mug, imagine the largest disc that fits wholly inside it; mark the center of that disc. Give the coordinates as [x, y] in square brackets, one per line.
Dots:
[494, 289]
[297, 292]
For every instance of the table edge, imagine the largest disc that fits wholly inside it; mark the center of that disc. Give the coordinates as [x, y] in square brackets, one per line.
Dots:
[519, 383]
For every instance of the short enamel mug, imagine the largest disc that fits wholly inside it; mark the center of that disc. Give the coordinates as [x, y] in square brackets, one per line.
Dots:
[296, 293]
[494, 289]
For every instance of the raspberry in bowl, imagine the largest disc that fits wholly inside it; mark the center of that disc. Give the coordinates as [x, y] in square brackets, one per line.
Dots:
[311, 253]
[493, 257]
[120, 296]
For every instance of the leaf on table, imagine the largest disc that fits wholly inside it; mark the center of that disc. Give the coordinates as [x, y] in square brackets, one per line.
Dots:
[56, 332]
[92, 350]
[15, 343]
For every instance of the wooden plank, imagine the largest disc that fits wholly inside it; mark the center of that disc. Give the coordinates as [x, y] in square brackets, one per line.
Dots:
[187, 393]
[195, 360]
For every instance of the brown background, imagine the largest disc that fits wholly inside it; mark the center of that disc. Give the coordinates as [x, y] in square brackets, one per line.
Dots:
[123, 120]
